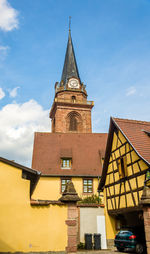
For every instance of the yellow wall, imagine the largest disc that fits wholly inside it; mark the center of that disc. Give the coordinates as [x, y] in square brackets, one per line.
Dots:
[23, 227]
[127, 185]
[50, 188]
[109, 222]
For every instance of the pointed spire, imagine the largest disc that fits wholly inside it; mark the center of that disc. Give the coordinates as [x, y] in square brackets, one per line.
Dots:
[69, 23]
[70, 68]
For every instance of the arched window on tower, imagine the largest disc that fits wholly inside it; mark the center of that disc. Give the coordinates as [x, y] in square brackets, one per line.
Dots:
[73, 123]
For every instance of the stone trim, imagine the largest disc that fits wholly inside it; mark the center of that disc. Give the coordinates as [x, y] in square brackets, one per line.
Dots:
[146, 212]
[72, 223]
[90, 205]
[78, 235]
[145, 202]
[45, 202]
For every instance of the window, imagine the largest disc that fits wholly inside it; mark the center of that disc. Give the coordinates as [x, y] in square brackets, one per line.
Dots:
[66, 163]
[63, 184]
[73, 99]
[87, 185]
[73, 123]
[122, 167]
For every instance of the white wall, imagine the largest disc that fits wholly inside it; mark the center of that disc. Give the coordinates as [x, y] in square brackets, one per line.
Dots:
[92, 220]
[88, 220]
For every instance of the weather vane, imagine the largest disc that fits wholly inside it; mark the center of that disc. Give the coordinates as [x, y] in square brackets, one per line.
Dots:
[69, 23]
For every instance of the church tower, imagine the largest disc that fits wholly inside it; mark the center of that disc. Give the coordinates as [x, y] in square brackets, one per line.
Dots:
[71, 112]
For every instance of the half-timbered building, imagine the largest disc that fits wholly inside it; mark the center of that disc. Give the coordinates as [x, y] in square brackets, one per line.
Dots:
[126, 167]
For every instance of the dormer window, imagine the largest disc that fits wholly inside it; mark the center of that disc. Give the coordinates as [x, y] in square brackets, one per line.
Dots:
[66, 163]
[146, 132]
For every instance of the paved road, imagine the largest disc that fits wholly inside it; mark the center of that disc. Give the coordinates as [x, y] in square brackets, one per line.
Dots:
[102, 252]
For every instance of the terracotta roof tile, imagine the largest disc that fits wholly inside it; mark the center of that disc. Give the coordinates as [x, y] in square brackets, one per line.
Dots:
[86, 150]
[135, 132]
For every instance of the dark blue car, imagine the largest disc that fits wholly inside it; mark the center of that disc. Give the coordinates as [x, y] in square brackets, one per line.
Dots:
[132, 240]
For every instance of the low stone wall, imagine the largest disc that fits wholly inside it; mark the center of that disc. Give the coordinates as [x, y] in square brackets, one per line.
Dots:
[145, 202]
[147, 227]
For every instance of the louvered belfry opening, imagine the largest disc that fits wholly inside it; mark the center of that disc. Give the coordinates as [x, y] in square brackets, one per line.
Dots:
[73, 123]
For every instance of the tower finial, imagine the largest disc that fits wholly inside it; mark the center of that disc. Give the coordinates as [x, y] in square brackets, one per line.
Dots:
[70, 68]
[69, 23]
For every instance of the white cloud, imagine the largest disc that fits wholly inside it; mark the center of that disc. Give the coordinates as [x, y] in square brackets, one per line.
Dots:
[8, 16]
[18, 124]
[3, 48]
[13, 92]
[2, 94]
[130, 91]
[3, 52]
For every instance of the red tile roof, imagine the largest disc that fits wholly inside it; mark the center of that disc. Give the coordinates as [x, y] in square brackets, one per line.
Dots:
[86, 150]
[137, 134]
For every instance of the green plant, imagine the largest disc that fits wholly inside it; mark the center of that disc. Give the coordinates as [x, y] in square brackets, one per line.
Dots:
[93, 199]
[81, 246]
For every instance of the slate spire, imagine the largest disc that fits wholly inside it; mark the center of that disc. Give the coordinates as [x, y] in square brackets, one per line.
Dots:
[70, 68]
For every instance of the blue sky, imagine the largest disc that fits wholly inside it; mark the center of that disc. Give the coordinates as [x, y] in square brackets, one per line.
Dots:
[112, 45]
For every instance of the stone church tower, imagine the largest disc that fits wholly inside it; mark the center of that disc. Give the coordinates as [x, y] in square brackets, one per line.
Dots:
[71, 112]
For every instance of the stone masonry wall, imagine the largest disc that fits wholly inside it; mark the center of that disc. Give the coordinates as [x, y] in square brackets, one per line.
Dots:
[61, 119]
[72, 223]
[68, 96]
[147, 227]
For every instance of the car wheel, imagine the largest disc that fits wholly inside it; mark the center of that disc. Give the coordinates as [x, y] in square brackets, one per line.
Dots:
[139, 248]
[120, 249]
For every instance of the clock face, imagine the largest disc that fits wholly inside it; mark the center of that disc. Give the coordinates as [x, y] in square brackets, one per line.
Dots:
[73, 83]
